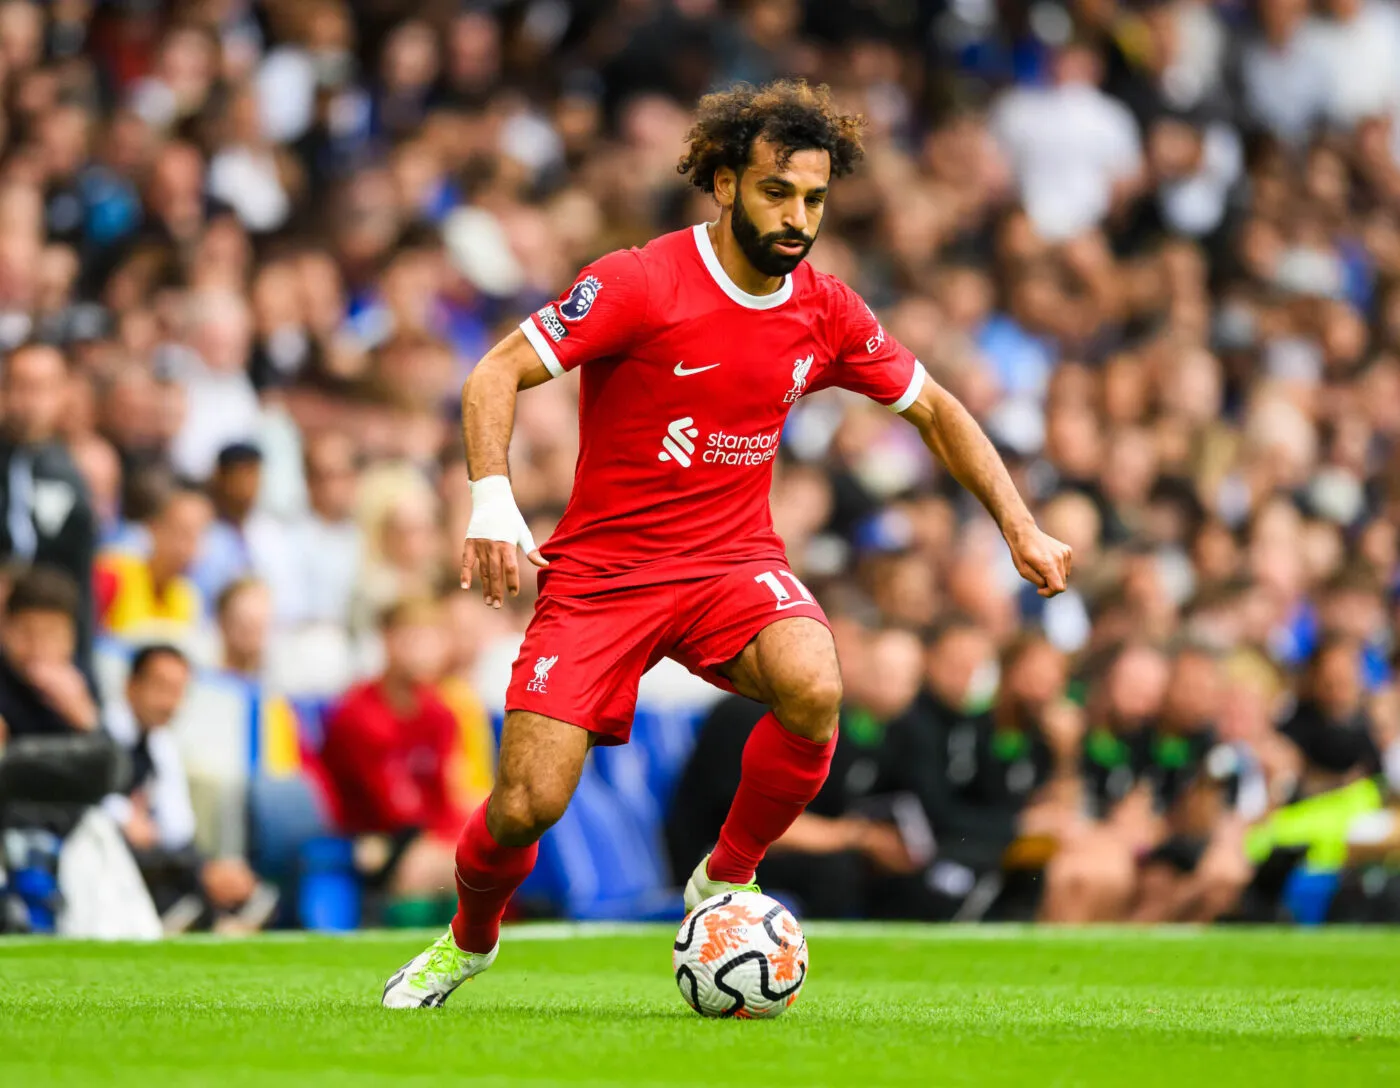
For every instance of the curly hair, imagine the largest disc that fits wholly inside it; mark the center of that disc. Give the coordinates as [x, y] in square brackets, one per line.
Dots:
[788, 113]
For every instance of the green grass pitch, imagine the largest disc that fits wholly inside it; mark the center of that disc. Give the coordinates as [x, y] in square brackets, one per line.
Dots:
[882, 1006]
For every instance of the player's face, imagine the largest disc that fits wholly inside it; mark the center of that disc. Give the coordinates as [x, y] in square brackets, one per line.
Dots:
[777, 212]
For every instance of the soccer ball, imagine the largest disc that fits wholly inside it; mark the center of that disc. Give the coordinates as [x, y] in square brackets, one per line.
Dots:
[740, 954]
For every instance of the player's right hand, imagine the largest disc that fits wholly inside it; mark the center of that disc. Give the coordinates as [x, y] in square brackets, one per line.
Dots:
[496, 530]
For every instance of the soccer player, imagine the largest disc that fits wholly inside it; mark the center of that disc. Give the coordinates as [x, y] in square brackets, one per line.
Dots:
[693, 350]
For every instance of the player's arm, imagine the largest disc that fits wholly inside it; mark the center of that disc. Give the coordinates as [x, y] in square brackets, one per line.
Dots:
[872, 362]
[599, 316]
[949, 430]
[488, 416]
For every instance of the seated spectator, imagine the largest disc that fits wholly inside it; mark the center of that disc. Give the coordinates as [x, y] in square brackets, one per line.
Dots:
[244, 621]
[933, 751]
[1330, 725]
[999, 786]
[389, 764]
[825, 858]
[156, 815]
[1093, 877]
[41, 689]
[327, 542]
[403, 548]
[1089, 876]
[142, 597]
[244, 614]
[1196, 873]
[243, 540]
[211, 366]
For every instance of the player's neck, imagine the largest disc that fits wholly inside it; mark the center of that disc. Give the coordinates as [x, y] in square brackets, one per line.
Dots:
[736, 266]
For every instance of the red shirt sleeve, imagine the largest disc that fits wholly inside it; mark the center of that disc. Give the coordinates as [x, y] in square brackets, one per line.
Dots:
[600, 315]
[870, 360]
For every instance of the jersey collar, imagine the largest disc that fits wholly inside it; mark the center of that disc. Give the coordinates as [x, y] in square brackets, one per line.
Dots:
[728, 286]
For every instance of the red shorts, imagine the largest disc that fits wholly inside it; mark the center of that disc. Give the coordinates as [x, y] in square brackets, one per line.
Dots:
[584, 656]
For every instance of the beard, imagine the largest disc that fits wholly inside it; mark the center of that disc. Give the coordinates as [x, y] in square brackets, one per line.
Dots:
[758, 248]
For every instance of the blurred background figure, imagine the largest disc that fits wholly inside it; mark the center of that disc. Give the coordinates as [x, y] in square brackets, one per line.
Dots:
[157, 818]
[155, 595]
[41, 689]
[392, 761]
[48, 514]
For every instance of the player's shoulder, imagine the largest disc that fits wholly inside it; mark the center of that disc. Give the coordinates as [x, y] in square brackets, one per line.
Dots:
[669, 256]
[822, 288]
[829, 302]
[662, 259]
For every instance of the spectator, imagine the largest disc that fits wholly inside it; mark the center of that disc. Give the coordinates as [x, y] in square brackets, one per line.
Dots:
[221, 407]
[940, 750]
[154, 595]
[825, 859]
[41, 690]
[48, 517]
[243, 540]
[1283, 75]
[1330, 725]
[327, 543]
[391, 752]
[1075, 151]
[244, 613]
[156, 815]
[403, 552]
[1198, 871]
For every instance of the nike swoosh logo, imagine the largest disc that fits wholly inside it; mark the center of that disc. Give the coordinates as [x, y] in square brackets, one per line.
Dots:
[783, 606]
[682, 370]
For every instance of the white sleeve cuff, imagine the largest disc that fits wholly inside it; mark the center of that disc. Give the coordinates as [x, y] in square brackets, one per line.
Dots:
[916, 385]
[542, 347]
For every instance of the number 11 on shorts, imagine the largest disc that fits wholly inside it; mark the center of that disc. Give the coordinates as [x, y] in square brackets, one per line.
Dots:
[784, 599]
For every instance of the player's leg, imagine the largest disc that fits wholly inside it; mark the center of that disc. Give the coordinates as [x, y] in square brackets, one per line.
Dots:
[540, 763]
[790, 665]
[580, 663]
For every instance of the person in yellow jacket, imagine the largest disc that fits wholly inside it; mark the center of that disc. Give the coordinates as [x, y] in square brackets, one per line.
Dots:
[152, 596]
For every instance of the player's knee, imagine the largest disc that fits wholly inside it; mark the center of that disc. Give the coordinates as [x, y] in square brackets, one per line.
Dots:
[520, 814]
[810, 708]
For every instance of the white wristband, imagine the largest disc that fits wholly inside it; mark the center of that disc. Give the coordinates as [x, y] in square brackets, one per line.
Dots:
[495, 515]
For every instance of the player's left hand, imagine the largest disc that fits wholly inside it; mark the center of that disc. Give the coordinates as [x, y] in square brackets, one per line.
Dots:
[1041, 560]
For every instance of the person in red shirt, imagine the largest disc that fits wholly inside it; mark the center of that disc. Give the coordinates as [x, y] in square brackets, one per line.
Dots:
[389, 761]
[693, 349]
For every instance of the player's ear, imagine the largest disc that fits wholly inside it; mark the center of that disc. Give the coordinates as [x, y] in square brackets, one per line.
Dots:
[726, 185]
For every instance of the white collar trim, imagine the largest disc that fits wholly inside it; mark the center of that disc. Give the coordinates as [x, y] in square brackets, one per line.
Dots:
[728, 286]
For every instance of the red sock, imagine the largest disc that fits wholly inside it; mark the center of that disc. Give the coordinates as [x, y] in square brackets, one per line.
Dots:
[487, 876]
[782, 772]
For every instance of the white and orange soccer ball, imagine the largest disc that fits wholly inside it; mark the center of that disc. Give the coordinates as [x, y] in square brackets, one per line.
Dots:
[742, 955]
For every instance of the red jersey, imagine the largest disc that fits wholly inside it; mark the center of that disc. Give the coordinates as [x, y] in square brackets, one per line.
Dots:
[386, 771]
[688, 383]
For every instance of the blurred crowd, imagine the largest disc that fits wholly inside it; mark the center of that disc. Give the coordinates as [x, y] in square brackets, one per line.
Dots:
[249, 250]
